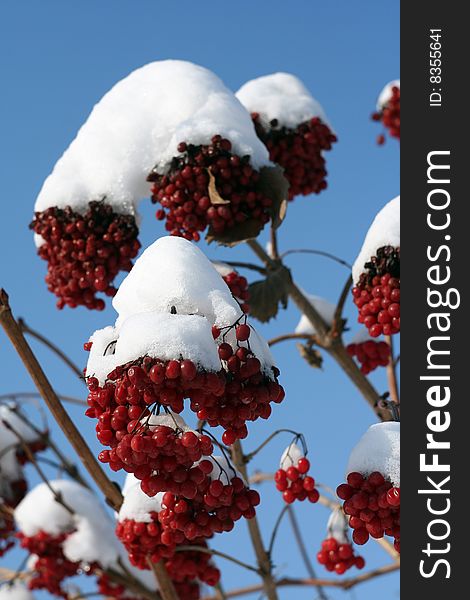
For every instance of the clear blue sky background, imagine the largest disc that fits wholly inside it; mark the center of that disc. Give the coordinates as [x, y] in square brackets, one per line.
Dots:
[60, 57]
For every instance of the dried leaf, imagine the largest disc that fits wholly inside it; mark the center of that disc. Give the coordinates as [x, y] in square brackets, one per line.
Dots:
[240, 232]
[214, 195]
[311, 355]
[274, 185]
[266, 295]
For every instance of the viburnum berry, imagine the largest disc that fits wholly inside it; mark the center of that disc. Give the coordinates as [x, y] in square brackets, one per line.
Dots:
[388, 112]
[248, 389]
[373, 505]
[50, 567]
[299, 151]
[370, 354]
[237, 284]
[377, 293]
[337, 553]
[189, 202]
[291, 478]
[85, 251]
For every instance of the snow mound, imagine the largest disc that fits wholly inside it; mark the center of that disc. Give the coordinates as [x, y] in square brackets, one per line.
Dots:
[159, 335]
[10, 468]
[175, 272]
[93, 536]
[378, 450]
[325, 309]
[361, 336]
[138, 125]
[15, 591]
[384, 231]
[291, 456]
[280, 96]
[337, 526]
[137, 505]
[386, 93]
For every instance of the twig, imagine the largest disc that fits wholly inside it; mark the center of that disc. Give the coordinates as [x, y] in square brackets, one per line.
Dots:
[24, 395]
[213, 552]
[245, 265]
[318, 253]
[111, 492]
[35, 334]
[337, 318]
[333, 344]
[264, 563]
[132, 584]
[273, 237]
[345, 584]
[303, 551]
[276, 529]
[251, 455]
[391, 374]
[293, 336]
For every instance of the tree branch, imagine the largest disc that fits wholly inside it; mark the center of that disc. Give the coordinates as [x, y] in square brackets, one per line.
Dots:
[293, 336]
[318, 253]
[264, 562]
[212, 552]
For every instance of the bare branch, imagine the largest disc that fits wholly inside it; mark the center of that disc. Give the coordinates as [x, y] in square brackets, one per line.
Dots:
[318, 253]
[206, 550]
[25, 395]
[293, 336]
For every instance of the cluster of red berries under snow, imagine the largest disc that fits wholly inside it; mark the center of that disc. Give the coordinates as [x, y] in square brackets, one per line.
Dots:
[388, 110]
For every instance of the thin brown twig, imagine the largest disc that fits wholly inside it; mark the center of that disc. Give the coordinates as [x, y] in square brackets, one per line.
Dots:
[345, 584]
[264, 562]
[293, 336]
[24, 395]
[111, 492]
[273, 239]
[333, 344]
[55, 349]
[212, 552]
[303, 550]
[337, 327]
[318, 253]
[391, 374]
[245, 265]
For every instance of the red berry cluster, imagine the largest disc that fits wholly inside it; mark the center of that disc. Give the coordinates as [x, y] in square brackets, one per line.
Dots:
[214, 509]
[85, 252]
[238, 285]
[299, 152]
[188, 590]
[248, 392]
[295, 484]
[186, 566]
[390, 115]
[377, 294]
[185, 197]
[370, 354]
[110, 589]
[50, 567]
[338, 557]
[373, 506]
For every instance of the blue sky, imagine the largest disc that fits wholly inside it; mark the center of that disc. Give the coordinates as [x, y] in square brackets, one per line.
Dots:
[59, 58]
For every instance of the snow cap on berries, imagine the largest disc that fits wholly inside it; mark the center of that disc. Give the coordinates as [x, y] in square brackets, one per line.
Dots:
[386, 94]
[378, 450]
[15, 591]
[324, 308]
[337, 526]
[91, 530]
[361, 336]
[291, 456]
[223, 469]
[137, 506]
[384, 231]
[280, 96]
[175, 272]
[138, 124]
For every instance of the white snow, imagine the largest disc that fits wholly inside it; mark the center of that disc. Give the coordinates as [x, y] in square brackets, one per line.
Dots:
[386, 93]
[378, 450]
[325, 309]
[10, 469]
[291, 456]
[138, 125]
[223, 269]
[15, 591]
[384, 231]
[137, 505]
[159, 335]
[175, 272]
[93, 537]
[361, 336]
[223, 469]
[337, 526]
[280, 96]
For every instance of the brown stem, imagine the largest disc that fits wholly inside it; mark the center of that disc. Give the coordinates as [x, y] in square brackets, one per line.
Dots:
[212, 552]
[274, 248]
[292, 336]
[303, 550]
[24, 395]
[345, 584]
[264, 562]
[111, 492]
[245, 265]
[391, 374]
[337, 327]
[318, 253]
[132, 584]
[165, 584]
[35, 334]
